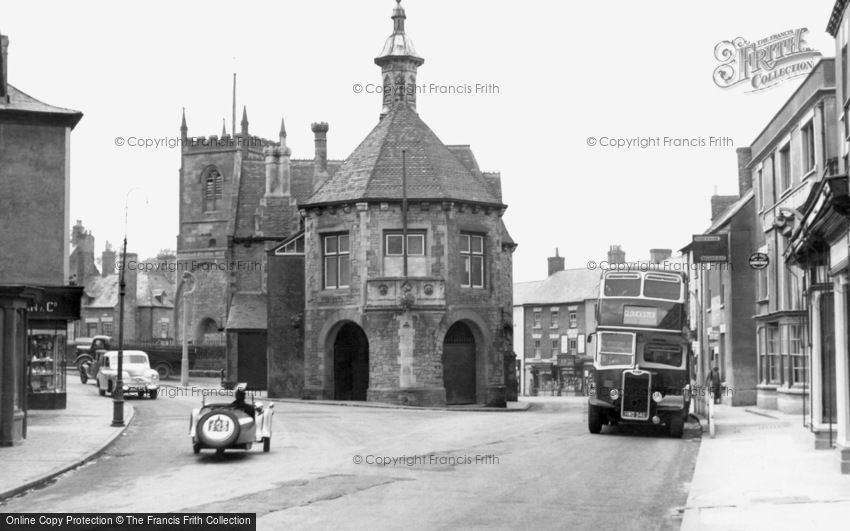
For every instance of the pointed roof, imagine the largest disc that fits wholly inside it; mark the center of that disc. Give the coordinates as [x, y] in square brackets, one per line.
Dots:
[23, 105]
[374, 170]
[282, 132]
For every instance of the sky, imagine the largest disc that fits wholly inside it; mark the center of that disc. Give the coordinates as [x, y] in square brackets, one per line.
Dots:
[552, 73]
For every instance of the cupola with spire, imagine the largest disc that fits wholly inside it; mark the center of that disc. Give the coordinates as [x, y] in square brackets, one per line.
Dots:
[398, 61]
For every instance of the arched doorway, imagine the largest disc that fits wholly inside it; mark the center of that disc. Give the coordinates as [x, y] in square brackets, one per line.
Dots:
[459, 365]
[207, 333]
[351, 363]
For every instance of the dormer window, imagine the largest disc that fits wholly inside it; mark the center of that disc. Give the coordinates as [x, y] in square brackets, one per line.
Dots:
[211, 181]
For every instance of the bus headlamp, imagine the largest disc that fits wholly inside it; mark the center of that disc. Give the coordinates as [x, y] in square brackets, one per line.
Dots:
[614, 394]
[656, 396]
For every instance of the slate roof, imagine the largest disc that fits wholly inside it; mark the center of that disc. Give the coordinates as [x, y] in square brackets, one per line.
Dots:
[22, 103]
[301, 172]
[247, 312]
[104, 291]
[149, 291]
[506, 236]
[154, 290]
[569, 285]
[252, 187]
[374, 170]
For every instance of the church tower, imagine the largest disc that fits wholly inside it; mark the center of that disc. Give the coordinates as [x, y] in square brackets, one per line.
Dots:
[398, 62]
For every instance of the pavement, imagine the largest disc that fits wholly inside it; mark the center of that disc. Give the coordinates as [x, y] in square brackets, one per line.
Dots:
[60, 440]
[761, 471]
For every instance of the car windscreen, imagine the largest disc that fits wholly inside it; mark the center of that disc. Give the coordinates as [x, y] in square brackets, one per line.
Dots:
[135, 359]
[615, 349]
[663, 353]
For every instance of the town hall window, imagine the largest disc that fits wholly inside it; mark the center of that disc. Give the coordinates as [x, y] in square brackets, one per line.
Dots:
[336, 262]
[394, 244]
[472, 260]
[212, 183]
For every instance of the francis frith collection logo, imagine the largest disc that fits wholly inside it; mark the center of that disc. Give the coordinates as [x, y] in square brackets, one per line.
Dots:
[765, 63]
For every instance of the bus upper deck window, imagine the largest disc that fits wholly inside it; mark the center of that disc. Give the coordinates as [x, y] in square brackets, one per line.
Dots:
[662, 289]
[622, 287]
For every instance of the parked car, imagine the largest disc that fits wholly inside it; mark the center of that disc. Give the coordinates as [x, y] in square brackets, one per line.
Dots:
[138, 377]
[165, 358]
[88, 354]
[232, 425]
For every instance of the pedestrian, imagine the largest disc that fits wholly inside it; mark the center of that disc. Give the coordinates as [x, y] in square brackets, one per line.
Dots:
[713, 382]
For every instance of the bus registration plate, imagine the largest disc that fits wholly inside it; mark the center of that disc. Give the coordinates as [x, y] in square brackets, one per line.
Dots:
[635, 414]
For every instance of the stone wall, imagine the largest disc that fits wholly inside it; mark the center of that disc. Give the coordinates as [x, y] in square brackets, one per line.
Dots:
[486, 310]
[34, 205]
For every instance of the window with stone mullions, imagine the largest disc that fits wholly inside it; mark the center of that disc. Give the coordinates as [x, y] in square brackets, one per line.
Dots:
[394, 244]
[336, 261]
[472, 259]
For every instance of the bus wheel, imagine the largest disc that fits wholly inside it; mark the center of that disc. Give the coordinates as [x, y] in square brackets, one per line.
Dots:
[677, 425]
[594, 419]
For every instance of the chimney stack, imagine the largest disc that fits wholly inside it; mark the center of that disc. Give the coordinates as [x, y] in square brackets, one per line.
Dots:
[107, 265]
[556, 263]
[616, 255]
[745, 177]
[4, 70]
[719, 204]
[78, 233]
[320, 164]
[656, 256]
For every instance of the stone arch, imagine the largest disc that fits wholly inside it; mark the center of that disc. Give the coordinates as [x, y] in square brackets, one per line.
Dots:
[482, 341]
[205, 330]
[327, 336]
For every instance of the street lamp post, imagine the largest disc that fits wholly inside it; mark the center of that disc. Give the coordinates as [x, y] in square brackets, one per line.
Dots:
[118, 392]
[184, 365]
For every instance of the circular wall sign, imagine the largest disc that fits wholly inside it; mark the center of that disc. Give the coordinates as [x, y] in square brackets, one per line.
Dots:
[759, 260]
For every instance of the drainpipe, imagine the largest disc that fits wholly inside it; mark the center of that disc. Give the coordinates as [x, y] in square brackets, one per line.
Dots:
[404, 208]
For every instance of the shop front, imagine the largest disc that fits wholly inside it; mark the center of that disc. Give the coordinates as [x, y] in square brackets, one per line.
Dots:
[820, 244]
[14, 301]
[50, 326]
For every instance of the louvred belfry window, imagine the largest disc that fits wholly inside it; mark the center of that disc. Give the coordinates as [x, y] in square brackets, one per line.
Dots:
[212, 183]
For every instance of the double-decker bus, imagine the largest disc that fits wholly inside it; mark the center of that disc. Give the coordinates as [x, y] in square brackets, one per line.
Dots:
[642, 356]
